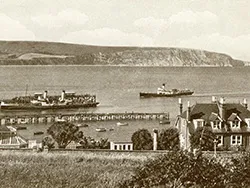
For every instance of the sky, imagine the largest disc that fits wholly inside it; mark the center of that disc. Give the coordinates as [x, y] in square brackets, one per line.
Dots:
[216, 25]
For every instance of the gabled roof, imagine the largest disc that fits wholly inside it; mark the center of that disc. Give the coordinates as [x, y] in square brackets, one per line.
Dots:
[239, 109]
[214, 117]
[233, 117]
[205, 110]
[202, 111]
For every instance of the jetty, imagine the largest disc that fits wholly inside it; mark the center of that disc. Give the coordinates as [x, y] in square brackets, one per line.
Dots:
[79, 117]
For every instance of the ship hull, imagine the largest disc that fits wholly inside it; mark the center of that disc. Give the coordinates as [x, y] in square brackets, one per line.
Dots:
[147, 95]
[54, 107]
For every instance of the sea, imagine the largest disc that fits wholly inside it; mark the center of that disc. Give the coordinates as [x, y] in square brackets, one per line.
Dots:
[117, 89]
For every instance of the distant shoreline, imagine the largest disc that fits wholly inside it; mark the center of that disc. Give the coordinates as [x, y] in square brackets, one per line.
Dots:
[75, 65]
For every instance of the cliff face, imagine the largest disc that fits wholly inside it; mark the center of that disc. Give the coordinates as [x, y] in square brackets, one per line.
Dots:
[44, 53]
[166, 57]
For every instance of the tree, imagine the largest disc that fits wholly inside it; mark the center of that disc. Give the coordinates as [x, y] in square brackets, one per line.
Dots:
[178, 169]
[168, 139]
[64, 132]
[91, 143]
[49, 142]
[238, 175]
[142, 140]
[203, 138]
[104, 143]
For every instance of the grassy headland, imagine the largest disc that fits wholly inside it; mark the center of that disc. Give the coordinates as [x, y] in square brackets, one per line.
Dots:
[51, 53]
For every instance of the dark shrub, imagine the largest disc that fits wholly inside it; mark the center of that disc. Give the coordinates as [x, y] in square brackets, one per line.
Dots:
[178, 169]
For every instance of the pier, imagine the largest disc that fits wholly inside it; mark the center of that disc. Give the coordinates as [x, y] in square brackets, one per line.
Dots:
[80, 117]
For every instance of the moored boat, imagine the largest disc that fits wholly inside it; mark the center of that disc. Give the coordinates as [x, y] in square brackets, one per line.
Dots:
[164, 121]
[162, 92]
[121, 124]
[20, 128]
[61, 120]
[100, 129]
[41, 101]
[38, 133]
[82, 125]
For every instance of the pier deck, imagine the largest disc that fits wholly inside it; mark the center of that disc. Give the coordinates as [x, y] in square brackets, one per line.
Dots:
[80, 117]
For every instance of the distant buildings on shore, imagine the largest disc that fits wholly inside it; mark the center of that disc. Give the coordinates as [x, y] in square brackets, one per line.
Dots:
[10, 139]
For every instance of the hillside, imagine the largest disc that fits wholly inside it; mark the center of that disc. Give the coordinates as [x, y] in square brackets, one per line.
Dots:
[50, 53]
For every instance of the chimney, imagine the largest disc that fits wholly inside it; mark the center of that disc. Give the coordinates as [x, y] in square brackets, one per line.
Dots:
[245, 103]
[221, 106]
[155, 139]
[39, 97]
[163, 86]
[181, 105]
[188, 111]
[213, 99]
[45, 94]
[62, 95]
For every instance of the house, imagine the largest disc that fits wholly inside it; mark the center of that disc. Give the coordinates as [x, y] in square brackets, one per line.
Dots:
[72, 145]
[121, 145]
[229, 121]
[10, 139]
[128, 145]
[33, 144]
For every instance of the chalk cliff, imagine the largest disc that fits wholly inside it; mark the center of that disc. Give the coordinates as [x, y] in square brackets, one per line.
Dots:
[50, 53]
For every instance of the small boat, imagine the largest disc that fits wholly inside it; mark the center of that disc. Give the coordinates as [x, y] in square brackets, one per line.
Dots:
[38, 133]
[121, 124]
[23, 121]
[165, 121]
[111, 129]
[100, 129]
[61, 120]
[82, 125]
[21, 128]
[162, 92]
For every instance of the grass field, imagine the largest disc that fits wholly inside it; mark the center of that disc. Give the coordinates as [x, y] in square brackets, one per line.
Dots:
[67, 169]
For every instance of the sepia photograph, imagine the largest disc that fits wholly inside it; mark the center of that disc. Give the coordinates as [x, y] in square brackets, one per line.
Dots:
[124, 94]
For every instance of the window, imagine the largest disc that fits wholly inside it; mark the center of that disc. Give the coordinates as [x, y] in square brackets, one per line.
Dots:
[235, 124]
[120, 147]
[220, 140]
[216, 124]
[124, 147]
[129, 147]
[236, 140]
[200, 123]
[115, 147]
[247, 120]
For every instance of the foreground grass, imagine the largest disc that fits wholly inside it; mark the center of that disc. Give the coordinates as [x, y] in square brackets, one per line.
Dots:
[67, 169]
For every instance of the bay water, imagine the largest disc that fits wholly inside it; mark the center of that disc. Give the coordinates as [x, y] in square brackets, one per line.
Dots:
[117, 89]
